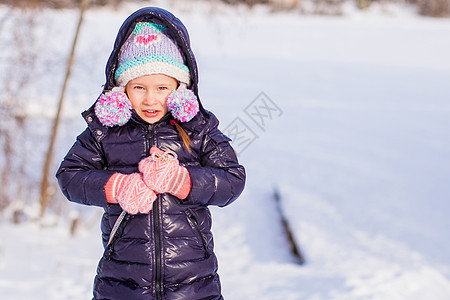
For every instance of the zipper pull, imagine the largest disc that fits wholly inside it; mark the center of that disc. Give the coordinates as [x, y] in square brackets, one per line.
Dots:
[110, 252]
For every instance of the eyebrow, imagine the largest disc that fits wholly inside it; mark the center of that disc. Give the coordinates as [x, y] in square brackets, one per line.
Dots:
[157, 83]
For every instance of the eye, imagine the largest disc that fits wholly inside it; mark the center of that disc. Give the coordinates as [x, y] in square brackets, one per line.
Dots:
[162, 88]
[138, 87]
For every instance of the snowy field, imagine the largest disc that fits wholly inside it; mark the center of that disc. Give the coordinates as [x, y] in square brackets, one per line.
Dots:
[353, 131]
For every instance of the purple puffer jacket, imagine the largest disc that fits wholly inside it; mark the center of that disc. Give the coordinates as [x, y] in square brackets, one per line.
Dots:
[168, 253]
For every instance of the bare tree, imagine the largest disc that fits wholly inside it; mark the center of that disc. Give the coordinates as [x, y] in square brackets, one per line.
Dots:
[45, 186]
[19, 60]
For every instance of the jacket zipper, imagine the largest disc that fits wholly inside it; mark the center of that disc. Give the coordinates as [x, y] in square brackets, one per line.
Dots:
[194, 221]
[149, 138]
[157, 231]
[113, 241]
[158, 263]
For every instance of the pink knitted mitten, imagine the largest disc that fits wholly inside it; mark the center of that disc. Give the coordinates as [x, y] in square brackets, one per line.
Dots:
[163, 174]
[130, 191]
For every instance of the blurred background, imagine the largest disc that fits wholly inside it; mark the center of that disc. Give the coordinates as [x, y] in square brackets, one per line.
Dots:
[338, 109]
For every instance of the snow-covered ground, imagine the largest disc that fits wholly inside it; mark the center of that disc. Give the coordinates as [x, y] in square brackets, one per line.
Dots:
[353, 131]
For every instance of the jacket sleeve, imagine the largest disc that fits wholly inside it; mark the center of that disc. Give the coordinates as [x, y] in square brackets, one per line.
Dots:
[220, 179]
[81, 175]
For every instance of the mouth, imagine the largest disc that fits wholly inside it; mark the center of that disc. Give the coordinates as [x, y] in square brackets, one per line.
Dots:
[150, 113]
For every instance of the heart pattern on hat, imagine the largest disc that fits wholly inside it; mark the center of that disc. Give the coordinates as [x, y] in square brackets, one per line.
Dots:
[145, 40]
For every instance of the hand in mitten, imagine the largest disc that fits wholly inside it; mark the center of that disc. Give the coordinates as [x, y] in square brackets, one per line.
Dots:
[130, 191]
[162, 172]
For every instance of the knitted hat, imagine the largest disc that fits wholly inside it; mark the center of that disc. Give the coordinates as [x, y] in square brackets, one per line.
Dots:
[149, 50]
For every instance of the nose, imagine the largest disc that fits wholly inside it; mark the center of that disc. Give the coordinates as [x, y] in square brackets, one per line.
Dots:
[150, 98]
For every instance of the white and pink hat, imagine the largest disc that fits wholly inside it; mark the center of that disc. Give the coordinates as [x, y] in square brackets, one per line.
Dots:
[150, 50]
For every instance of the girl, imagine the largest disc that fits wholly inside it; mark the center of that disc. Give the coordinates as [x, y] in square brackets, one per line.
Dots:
[154, 159]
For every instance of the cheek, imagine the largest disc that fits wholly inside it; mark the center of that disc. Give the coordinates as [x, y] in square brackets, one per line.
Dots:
[163, 99]
[164, 105]
[134, 99]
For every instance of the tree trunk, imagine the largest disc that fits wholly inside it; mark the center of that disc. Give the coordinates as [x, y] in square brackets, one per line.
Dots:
[45, 187]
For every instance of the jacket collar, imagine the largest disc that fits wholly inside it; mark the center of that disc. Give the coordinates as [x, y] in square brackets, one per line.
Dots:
[97, 129]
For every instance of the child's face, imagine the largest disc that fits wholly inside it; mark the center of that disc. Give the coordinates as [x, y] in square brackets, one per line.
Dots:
[148, 95]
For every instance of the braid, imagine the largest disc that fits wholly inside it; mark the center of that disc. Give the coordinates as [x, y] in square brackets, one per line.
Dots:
[184, 136]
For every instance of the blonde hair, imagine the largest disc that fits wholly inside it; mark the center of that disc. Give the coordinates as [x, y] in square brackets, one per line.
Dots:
[184, 136]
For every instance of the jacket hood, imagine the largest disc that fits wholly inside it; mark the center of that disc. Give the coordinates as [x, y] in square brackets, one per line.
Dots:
[177, 31]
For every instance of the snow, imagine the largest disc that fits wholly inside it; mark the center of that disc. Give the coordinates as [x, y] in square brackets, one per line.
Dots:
[357, 145]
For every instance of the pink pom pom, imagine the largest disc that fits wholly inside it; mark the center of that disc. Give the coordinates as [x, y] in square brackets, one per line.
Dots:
[183, 104]
[113, 107]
